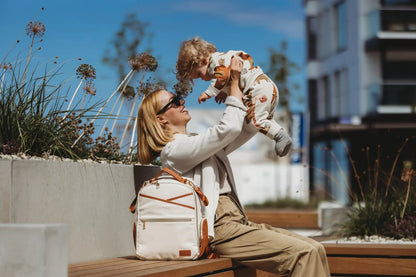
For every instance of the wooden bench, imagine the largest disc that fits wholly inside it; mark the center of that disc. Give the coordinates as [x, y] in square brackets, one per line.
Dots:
[344, 260]
[131, 266]
[293, 219]
[347, 259]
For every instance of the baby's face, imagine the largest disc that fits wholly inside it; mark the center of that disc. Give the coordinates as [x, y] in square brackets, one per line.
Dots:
[201, 72]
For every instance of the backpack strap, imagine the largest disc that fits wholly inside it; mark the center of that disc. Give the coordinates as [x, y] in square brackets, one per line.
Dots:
[170, 172]
[178, 177]
[175, 175]
[132, 207]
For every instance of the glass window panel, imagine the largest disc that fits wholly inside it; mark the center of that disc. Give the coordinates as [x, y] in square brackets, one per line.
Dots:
[341, 26]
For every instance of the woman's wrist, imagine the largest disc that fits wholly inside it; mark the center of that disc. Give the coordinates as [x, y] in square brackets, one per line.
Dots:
[235, 72]
[235, 90]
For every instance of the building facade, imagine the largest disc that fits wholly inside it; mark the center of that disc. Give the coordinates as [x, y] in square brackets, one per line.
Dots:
[361, 67]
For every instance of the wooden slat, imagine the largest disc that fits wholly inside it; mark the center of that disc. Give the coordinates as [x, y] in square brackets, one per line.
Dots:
[103, 261]
[129, 266]
[372, 266]
[189, 268]
[285, 219]
[366, 249]
[229, 273]
[99, 264]
[123, 269]
[87, 269]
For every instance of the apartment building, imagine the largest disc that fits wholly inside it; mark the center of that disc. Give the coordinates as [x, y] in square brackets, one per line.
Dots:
[361, 68]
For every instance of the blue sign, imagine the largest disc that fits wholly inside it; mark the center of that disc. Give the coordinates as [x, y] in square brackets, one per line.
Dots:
[297, 138]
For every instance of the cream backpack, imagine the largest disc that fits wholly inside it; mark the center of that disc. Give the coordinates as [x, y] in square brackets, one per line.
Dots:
[168, 221]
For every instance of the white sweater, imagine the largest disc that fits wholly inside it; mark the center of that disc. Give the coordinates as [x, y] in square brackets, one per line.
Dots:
[192, 156]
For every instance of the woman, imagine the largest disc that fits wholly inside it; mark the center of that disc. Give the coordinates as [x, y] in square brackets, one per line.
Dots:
[203, 158]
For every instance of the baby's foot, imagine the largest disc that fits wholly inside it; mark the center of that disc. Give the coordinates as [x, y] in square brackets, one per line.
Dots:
[283, 143]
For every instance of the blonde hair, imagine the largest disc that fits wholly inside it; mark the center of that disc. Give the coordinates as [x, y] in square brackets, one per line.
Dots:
[151, 135]
[192, 52]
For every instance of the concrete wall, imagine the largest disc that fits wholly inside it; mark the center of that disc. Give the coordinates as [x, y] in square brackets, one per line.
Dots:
[36, 250]
[92, 200]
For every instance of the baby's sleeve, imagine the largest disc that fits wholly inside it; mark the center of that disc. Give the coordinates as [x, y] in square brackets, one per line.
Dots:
[212, 91]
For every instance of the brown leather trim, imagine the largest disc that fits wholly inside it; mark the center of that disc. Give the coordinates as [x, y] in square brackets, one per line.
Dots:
[184, 253]
[171, 172]
[132, 207]
[134, 234]
[203, 247]
[180, 196]
[167, 201]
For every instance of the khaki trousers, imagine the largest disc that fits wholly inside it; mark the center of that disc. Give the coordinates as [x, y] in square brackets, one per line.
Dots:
[264, 247]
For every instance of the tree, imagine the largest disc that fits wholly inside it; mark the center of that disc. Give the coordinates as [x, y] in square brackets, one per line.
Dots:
[132, 39]
[125, 44]
[281, 68]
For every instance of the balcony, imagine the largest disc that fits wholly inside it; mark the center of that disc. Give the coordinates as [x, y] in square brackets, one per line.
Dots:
[391, 98]
[391, 27]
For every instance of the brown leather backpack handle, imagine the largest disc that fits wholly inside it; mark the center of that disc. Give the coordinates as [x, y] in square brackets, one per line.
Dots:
[170, 172]
[175, 175]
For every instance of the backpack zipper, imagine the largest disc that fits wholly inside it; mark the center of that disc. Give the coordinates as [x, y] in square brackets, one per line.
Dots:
[163, 220]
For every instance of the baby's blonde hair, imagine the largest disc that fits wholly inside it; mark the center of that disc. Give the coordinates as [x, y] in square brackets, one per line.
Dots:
[192, 52]
[151, 135]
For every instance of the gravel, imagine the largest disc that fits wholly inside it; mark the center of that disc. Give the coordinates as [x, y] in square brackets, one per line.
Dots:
[23, 156]
[373, 239]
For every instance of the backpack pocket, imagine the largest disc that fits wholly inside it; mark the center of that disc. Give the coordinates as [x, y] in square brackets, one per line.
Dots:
[172, 238]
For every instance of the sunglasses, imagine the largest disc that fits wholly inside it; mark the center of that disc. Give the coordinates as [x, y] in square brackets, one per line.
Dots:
[176, 101]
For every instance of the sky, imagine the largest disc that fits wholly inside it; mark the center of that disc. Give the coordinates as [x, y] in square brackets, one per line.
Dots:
[84, 28]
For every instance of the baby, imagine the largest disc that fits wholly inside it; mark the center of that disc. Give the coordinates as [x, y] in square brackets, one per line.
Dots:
[199, 59]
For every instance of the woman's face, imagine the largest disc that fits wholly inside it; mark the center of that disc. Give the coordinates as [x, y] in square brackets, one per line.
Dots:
[175, 116]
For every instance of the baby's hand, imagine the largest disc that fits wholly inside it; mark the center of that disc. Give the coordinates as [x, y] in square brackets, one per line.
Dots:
[203, 97]
[220, 98]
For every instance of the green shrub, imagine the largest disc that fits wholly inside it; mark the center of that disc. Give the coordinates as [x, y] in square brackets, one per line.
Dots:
[386, 206]
[34, 116]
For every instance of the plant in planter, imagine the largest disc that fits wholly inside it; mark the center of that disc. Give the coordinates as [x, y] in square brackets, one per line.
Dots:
[385, 206]
[36, 120]
[33, 116]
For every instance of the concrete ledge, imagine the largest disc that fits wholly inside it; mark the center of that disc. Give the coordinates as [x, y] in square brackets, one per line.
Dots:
[35, 250]
[331, 215]
[91, 199]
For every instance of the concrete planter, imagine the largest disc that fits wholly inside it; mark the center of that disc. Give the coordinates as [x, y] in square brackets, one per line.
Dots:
[92, 200]
[331, 215]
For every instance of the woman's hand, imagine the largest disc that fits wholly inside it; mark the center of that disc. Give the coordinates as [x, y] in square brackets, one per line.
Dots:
[235, 72]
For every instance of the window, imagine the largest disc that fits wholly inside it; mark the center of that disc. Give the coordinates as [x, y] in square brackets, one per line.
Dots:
[312, 28]
[398, 21]
[341, 98]
[398, 2]
[341, 26]
[320, 161]
[313, 100]
[399, 64]
[327, 96]
[332, 176]
[324, 31]
[336, 108]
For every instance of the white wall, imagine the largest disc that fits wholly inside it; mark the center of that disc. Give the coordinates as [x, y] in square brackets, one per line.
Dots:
[257, 183]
